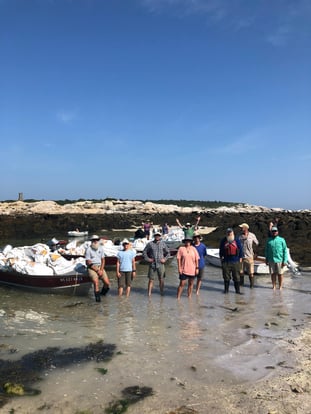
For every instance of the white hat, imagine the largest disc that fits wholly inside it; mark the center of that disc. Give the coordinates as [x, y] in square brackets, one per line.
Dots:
[244, 225]
[125, 241]
[94, 237]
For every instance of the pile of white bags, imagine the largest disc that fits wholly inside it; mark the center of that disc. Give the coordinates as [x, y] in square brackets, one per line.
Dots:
[38, 260]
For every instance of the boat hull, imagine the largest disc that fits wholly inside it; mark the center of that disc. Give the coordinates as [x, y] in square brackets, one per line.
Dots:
[77, 233]
[260, 267]
[68, 284]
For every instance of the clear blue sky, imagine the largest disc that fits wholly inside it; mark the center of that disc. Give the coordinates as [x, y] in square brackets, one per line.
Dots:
[156, 99]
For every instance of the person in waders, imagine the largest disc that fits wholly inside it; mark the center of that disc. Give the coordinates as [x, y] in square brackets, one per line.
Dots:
[231, 255]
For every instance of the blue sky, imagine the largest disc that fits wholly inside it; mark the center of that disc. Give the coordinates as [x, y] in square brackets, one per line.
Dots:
[156, 99]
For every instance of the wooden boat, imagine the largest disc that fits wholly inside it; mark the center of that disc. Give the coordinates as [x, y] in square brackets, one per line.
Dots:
[77, 233]
[260, 267]
[72, 283]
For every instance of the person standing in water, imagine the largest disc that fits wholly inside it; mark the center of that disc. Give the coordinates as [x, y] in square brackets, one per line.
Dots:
[276, 256]
[156, 254]
[247, 240]
[126, 268]
[188, 266]
[231, 255]
[201, 249]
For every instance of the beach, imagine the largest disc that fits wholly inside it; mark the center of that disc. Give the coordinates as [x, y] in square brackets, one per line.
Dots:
[212, 353]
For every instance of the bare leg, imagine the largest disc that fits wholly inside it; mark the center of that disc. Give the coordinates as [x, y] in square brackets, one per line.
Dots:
[180, 288]
[251, 281]
[96, 289]
[199, 282]
[190, 286]
[273, 279]
[150, 286]
[280, 278]
[120, 291]
[161, 284]
[127, 291]
[96, 284]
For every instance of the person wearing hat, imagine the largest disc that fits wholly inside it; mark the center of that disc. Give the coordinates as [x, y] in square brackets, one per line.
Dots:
[247, 240]
[201, 249]
[188, 266]
[231, 255]
[95, 261]
[126, 268]
[276, 256]
[189, 229]
[156, 254]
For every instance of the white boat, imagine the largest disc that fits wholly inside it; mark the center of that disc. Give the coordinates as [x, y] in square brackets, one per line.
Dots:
[260, 267]
[77, 233]
[174, 237]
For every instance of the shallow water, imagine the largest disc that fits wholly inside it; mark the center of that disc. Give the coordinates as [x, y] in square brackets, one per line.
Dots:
[179, 348]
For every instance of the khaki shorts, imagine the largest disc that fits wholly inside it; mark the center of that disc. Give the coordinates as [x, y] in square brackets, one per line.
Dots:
[247, 266]
[93, 275]
[159, 271]
[276, 268]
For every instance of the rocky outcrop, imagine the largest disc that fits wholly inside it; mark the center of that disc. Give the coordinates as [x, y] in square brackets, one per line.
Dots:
[46, 219]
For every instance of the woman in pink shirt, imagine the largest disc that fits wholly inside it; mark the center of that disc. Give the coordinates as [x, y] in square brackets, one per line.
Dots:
[188, 266]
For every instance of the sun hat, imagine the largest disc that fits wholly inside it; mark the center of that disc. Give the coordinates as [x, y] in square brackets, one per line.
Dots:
[94, 237]
[229, 230]
[125, 241]
[157, 233]
[188, 238]
[188, 224]
[274, 228]
[244, 225]
[196, 234]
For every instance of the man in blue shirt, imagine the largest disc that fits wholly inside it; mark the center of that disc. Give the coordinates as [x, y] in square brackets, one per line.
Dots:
[201, 248]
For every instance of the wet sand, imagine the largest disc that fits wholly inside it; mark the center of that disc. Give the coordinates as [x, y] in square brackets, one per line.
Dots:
[213, 353]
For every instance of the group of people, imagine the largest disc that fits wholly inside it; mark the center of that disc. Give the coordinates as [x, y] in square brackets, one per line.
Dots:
[236, 255]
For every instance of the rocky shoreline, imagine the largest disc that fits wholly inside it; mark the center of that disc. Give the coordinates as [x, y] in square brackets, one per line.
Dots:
[47, 218]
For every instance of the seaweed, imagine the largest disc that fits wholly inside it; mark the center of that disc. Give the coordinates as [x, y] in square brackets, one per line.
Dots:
[130, 395]
[20, 374]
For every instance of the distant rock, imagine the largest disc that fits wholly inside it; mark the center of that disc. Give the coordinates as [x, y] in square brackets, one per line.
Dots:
[120, 206]
[43, 219]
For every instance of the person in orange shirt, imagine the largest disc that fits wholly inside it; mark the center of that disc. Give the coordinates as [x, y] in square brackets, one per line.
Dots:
[188, 266]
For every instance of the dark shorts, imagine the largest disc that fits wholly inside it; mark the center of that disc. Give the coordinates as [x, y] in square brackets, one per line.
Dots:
[125, 279]
[201, 273]
[186, 277]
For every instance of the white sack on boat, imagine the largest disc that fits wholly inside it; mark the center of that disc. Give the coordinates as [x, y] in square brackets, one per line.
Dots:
[32, 268]
[7, 248]
[60, 266]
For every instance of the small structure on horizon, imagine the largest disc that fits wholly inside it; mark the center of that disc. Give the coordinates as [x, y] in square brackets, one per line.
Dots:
[20, 197]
